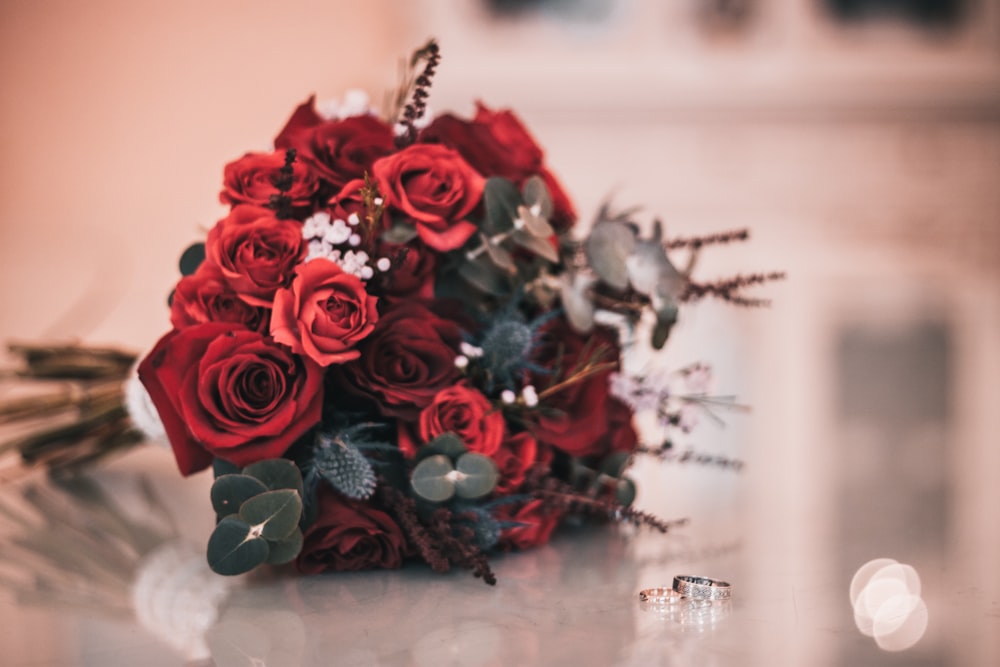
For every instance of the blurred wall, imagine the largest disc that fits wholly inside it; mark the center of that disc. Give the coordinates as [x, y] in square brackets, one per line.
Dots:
[116, 118]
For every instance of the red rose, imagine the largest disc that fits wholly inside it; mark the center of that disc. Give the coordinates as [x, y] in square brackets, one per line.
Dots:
[256, 252]
[464, 411]
[540, 522]
[435, 189]
[575, 419]
[496, 143]
[337, 150]
[205, 296]
[515, 456]
[227, 392]
[348, 201]
[405, 362]
[350, 535]
[412, 270]
[324, 313]
[251, 179]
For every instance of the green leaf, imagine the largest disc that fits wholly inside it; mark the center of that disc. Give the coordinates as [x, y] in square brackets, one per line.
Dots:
[232, 549]
[222, 467]
[192, 258]
[481, 274]
[431, 479]
[448, 444]
[501, 199]
[275, 513]
[537, 194]
[499, 255]
[609, 246]
[625, 491]
[286, 550]
[477, 476]
[534, 222]
[538, 245]
[229, 492]
[276, 474]
[614, 464]
[400, 233]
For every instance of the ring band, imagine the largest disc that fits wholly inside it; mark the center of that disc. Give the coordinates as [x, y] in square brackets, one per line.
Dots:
[702, 588]
[661, 595]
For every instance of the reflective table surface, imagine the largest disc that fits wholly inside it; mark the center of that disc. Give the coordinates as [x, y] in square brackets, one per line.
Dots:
[109, 570]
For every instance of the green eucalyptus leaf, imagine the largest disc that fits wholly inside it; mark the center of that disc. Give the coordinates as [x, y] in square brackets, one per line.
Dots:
[285, 551]
[276, 513]
[232, 549]
[536, 193]
[276, 474]
[625, 491]
[222, 467]
[615, 463]
[448, 444]
[536, 244]
[499, 255]
[229, 492]
[432, 480]
[533, 222]
[609, 247]
[192, 258]
[666, 317]
[399, 233]
[481, 274]
[477, 476]
[501, 199]
[576, 300]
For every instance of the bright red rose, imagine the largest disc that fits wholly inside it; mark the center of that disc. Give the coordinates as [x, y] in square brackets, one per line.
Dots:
[540, 522]
[464, 411]
[227, 392]
[324, 314]
[338, 151]
[435, 189]
[576, 419]
[349, 200]
[205, 296]
[251, 179]
[496, 143]
[405, 362]
[350, 535]
[256, 252]
[515, 456]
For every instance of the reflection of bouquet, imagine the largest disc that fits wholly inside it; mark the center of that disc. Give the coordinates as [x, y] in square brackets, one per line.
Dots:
[393, 346]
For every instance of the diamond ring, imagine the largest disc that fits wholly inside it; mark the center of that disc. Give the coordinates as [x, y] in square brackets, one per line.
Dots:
[702, 588]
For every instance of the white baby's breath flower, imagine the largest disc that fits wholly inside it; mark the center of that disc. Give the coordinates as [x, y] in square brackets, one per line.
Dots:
[328, 109]
[356, 103]
[508, 397]
[461, 362]
[354, 262]
[315, 225]
[337, 232]
[353, 219]
[470, 350]
[354, 240]
[366, 273]
[318, 248]
[383, 264]
[530, 396]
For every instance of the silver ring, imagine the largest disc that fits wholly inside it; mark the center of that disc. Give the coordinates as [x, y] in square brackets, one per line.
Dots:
[702, 588]
[659, 596]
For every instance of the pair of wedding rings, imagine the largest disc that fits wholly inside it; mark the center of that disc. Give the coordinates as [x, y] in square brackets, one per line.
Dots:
[688, 588]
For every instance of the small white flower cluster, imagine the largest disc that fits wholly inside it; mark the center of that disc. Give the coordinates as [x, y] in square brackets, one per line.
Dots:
[356, 103]
[324, 233]
[529, 396]
[469, 351]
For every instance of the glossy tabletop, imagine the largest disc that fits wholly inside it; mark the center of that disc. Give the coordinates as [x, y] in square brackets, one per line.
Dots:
[110, 571]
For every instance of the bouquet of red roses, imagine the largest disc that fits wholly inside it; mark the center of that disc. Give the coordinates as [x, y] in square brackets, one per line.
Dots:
[394, 346]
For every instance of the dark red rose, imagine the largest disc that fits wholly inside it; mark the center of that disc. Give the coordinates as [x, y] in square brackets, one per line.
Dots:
[575, 419]
[350, 535]
[434, 189]
[516, 455]
[324, 313]
[349, 201]
[405, 362]
[496, 143]
[256, 252]
[464, 411]
[227, 392]
[337, 151]
[205, 296]
[251, 180]
[412, 270]
[540, 522]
